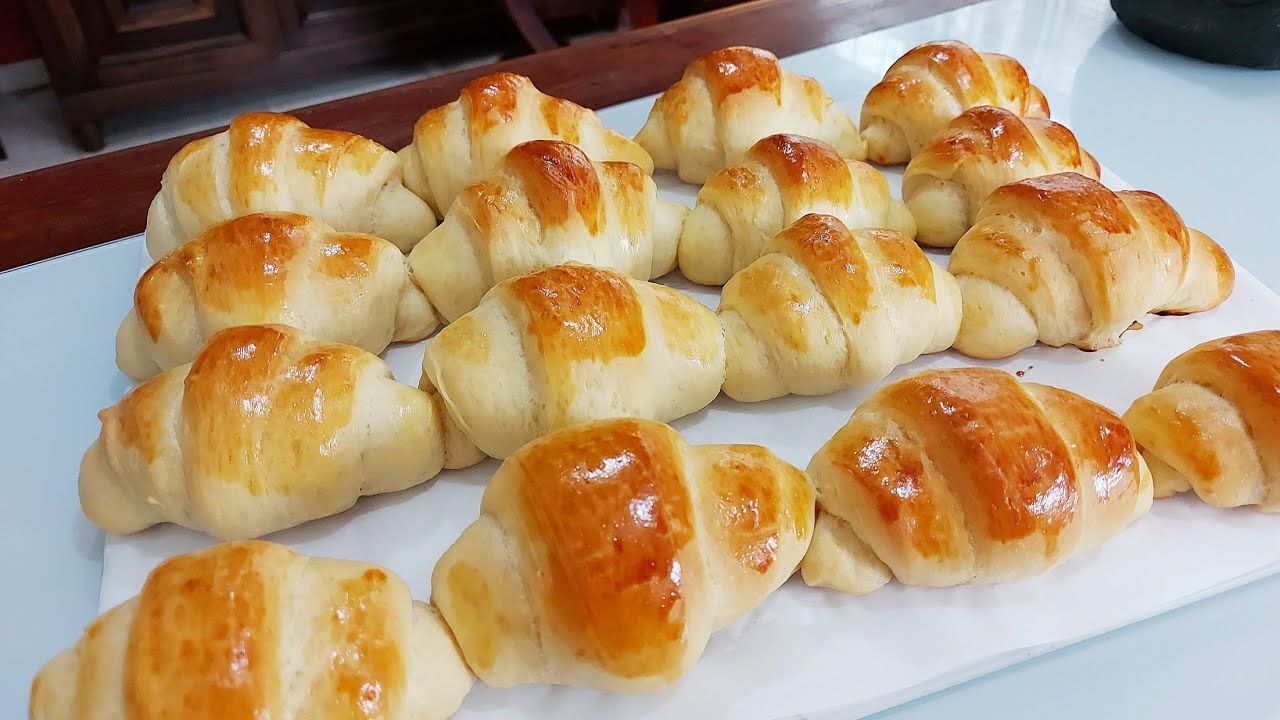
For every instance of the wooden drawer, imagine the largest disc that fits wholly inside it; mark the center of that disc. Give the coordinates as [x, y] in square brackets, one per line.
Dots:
[139, 40]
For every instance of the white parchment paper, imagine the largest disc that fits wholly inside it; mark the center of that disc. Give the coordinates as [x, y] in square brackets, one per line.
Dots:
[804, 649]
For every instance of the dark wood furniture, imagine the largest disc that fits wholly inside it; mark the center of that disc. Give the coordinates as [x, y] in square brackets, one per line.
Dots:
[640, 14]
[68, 207]
[531, 26]
[108, 55]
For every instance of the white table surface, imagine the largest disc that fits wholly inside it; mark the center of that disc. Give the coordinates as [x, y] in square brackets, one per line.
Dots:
[1203, 136]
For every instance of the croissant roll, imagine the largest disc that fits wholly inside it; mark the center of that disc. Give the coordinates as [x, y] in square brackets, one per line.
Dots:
[827, 308]
[932, 84]
[255, 630]
[949, 477]
[982, 149]
[1063, 260]
[781, 179]
[457, 144]
[268, 428]
[544, 205]
[275, 162]
[607, 553]
[271, 268]
[1212, 423]
[732, 97]
[570, 344]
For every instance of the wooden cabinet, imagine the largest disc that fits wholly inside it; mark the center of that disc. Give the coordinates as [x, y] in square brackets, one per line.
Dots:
[105, 56]
[109, 55]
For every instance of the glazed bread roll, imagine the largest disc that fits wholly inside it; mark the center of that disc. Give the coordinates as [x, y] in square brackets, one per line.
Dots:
[982, 149]
[781, 179]
[271, 268]
[569, 344]
[732, 97]
[255, 630]
[607, 553]
[1212, 424]
[1063, 260]
[267, 429]
[949, 477]
[270, 161]
[457, 144]
[544, 205]
[931, 85]
[826, 309]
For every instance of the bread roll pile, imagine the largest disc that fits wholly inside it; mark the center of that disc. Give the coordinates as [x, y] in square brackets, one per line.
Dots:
[606, 549]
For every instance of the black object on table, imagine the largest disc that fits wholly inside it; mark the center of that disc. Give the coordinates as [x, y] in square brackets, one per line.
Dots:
[1233, 32]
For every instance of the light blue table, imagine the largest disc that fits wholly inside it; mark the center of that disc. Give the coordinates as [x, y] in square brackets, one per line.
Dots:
[1205, 137]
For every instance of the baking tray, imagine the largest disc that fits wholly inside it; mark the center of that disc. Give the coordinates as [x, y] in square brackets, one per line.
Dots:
[806, 650]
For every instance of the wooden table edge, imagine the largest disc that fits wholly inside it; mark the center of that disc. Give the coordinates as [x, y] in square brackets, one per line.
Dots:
[64, 208]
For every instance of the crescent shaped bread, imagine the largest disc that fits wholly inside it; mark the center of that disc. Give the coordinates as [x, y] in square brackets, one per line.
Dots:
[949, 477]
[267, 268]
[268, 428]
[781, 179]
[827, 308]
[569, 344]
[1212, 423]
[932, 84]
[457, 144]
[607, 553]
[274, 162]
[545, 204]
[982, 149]
[1062, 260]
[252, 630]
[732, 97]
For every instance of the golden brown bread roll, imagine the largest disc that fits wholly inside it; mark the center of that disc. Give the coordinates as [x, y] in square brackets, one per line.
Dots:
[253, 630]
[1212, 424]
[569, 344]
[271, 268]
[781, 179]
[949, 477]
[1063, 260]
[457, 144]
[546, 204]
[275, 162]
[732, 97]
[826, 309]
[607, 553]
[982, 149]
[932, 84]
[267, 428]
